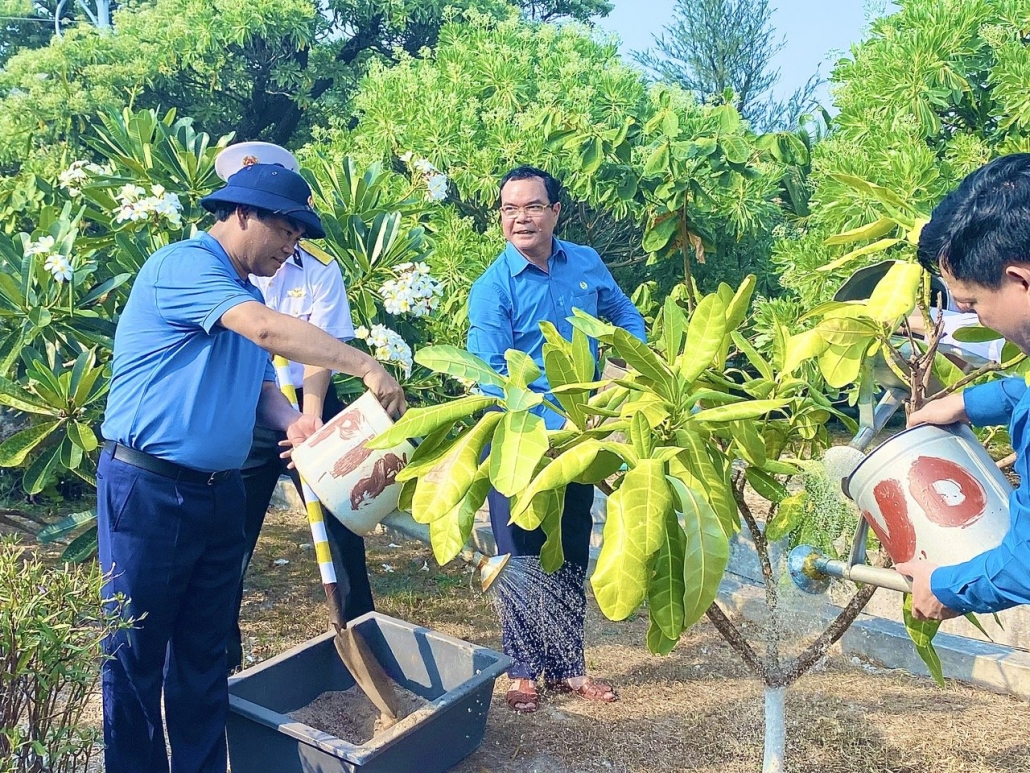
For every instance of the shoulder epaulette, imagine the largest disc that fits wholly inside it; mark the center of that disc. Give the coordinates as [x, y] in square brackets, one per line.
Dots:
[316, 252]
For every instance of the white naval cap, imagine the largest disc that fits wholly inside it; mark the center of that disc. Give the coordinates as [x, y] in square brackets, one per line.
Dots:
[233, 158]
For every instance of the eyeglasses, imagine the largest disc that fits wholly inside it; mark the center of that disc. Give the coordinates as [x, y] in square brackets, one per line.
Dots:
[509, 212]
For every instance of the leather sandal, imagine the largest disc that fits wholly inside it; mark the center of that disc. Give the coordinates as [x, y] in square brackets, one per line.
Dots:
[522, 701]
[591, 690]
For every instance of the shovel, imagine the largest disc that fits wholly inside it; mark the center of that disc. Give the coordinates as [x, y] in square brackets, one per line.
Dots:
[350, 646]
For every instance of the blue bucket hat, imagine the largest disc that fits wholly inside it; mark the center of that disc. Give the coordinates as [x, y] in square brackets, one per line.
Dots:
[273, 188]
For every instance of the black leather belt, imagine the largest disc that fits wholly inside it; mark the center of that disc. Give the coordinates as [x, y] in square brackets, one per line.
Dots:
[163, 467]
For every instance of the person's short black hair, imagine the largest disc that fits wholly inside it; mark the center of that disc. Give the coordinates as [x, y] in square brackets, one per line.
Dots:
[224, 210]
[529, 172]
[983, 225]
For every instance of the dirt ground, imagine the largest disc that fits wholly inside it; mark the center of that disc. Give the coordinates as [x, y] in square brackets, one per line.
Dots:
[696, 710]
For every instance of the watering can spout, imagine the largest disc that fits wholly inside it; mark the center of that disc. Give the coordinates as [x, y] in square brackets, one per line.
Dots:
[811, 572]
[489, 567]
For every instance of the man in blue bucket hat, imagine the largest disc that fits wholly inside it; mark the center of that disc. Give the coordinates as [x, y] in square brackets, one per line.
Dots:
[978, 239]
[191, 375]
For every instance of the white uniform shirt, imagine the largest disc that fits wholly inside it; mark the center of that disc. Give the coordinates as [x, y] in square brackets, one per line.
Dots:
[308, 289]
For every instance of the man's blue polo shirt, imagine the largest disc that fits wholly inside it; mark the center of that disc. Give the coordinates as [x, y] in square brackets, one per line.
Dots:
[183, 387]
[512, 297]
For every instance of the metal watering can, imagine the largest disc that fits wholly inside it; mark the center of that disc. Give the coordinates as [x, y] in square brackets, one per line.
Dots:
[929, 492]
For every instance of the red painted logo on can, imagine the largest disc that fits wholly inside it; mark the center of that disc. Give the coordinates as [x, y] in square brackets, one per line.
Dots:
[899, 537]
[948, 494]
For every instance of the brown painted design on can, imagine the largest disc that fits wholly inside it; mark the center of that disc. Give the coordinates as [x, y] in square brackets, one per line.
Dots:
[351, 460]
[348, 424]
[900, 537]
[384, 473]
[951, 512]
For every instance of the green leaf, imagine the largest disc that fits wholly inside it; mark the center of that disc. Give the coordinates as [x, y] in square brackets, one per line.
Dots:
[13, 396]
[547, 510]
[66, 525]
[561, 370]
[448, 534]
[443, 487]
[19, 445]
[674, 329]
[706, 551]
[750, 409]
[750, 444]
[419, 422]
[735, 148]
[519, 443]
[736, 309]
[640, 356]
[875, 230]
[841, 365]
[659, 233]
[921, 632]
[895, 295]
[765, 484]
[757, 361]
[456, 362]
[657, 642]
[620, 577]
[522, 371]
[789, 516]
[82, 436]
[518, 399]
[591, 326]
[38, 473]
[869, 249]
[82, 548]
[975, 334]
[801, 348]
[640, 435]
[559, 472]
[667, 588]
[646, 500]
[704, 338]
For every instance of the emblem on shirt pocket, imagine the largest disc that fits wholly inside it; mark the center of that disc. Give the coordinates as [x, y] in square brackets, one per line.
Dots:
[296, 292]
[582, 285]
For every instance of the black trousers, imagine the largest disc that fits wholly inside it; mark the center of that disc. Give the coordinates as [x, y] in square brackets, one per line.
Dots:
[261, 473]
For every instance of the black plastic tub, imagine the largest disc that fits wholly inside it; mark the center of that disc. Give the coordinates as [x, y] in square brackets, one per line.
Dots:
[456, 676]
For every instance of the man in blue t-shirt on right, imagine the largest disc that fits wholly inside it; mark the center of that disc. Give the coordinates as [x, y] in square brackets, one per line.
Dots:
[979, 241]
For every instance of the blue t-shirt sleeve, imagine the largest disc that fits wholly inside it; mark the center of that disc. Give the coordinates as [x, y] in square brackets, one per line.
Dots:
[490, 328]
[991, 404]
[194, 289]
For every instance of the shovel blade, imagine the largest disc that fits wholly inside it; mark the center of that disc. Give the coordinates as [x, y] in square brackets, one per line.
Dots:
[357, 656]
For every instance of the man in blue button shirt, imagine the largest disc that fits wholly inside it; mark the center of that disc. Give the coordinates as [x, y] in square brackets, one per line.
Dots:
[980, 234]
[540, 278]
[191, 375]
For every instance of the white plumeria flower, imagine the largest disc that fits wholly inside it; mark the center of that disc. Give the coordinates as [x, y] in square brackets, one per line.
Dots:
[43, 247]
[406, 156]
[159, 205]
[387, 346]
[414, 291]
[58, 265]
[78, 174]
[437, 187]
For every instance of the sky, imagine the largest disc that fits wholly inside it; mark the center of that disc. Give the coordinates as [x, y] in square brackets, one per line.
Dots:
[817, 32]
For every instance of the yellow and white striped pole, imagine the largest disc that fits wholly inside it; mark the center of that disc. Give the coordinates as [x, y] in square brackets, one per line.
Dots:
[316, 518]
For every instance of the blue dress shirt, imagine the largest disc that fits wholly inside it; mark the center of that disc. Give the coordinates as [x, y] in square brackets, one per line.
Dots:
[998, 578]
[184, 388]
[513, 296]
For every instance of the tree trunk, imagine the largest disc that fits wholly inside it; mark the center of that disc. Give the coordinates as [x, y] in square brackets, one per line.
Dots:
[775, 733]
